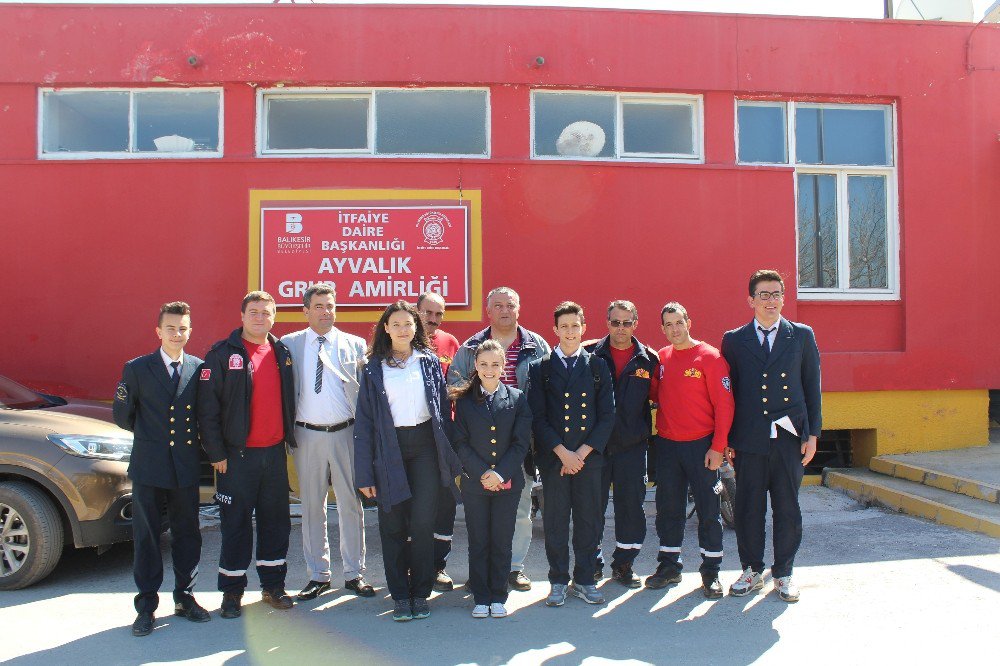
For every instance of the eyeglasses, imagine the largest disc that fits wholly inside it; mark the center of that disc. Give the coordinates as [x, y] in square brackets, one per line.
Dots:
[770, 295]
[614, 323]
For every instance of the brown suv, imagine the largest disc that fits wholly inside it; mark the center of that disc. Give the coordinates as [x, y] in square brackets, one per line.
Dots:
[62, 480]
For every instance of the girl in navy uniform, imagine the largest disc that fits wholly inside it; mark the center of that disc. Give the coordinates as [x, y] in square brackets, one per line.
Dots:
[492, 432]
[402, 452]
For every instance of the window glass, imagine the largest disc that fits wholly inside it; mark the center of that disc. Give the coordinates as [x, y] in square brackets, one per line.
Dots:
[831, 135]
[177, 122]
[451, 122]
[85, 122]
[657, 128]
[817, 221]
[564, 125]
[868, 249]
[762, 133]
[317, 123]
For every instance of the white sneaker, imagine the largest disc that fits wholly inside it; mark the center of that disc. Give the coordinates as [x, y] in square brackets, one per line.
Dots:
[497, 609]
[786, 589]
[480, 611]
[749, 581]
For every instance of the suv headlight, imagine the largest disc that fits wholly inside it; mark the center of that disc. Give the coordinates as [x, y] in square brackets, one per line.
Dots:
[95, 446]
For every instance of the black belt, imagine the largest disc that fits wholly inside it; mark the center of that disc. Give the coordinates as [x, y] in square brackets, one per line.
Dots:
[334, 428]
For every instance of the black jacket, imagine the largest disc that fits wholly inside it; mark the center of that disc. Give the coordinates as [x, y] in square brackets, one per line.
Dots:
[493, 437]
[785, 382]
[165, 446]
[569, 407]
[633, 413]
[225, 387]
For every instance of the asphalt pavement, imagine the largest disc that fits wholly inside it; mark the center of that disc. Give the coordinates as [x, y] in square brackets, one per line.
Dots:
[876, 587]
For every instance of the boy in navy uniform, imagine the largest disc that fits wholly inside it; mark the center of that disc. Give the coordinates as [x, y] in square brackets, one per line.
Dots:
[573, 407]
[155, 400]
[774, 366]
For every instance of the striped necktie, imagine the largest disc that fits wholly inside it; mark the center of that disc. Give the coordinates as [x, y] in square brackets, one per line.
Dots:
[318, 386]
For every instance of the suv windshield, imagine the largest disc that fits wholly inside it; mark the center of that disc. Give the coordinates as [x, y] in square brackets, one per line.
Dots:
[15, 396]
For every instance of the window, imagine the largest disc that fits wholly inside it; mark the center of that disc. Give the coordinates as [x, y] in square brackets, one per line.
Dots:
[608, 125]
[385, 122]
[139, 123]
[845, 183]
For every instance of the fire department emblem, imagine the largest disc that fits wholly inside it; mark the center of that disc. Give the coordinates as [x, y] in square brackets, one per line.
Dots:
[433, 225]
[235, 362]
[726, 384]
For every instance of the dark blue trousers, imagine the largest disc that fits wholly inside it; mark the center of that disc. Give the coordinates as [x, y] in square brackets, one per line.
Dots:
[779, 473]
[577, 496]
[255, 485]
[181, 504]
[444, 527]
[489, 520]
[407, 530]
[627, 471]
[679, 464]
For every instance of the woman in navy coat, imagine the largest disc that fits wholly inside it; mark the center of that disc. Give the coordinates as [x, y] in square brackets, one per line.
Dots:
[492, 432]
[402, 454]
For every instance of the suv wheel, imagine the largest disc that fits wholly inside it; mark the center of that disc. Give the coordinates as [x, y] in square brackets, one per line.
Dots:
[31, 535]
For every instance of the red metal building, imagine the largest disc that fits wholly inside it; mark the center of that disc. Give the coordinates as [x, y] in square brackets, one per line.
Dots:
[858, 157]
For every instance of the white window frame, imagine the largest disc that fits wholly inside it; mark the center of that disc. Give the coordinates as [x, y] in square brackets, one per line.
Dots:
[371, 94]
[843, 291]
[130, 154]
[696, 102]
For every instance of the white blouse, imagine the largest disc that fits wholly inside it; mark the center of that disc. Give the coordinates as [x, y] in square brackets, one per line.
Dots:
[404, 387]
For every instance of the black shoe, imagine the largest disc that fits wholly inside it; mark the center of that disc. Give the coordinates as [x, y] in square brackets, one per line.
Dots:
[665, 575]
[360, 587]
[313, 590]
[401, 611]
[443, 582]
[191, 610]
[518, 581]
[711, 588]
[277, 599]
[598, 572]
[421, 608]
[143, 625]
[625, 576]
[231, 605]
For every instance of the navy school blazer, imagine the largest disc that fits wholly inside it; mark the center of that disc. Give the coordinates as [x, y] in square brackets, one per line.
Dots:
[785, 382]
[165, 449]
[494, 438]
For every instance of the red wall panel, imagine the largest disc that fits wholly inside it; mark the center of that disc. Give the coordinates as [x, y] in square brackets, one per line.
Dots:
[91, 248]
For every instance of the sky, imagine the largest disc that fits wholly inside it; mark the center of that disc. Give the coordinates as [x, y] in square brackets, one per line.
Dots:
[844, 8]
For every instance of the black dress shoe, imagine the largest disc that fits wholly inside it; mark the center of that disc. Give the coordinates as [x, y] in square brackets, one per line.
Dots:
[231, 605]
[665, 575]
[625, 576]
[443, 582]
[191, 610]
[143, 625]
[711, 588]
[313, 590]
[277, 598]
[518, 581]
[360, 587]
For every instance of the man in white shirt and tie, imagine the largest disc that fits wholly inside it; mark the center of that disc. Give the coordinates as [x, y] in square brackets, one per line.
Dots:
[327, 363]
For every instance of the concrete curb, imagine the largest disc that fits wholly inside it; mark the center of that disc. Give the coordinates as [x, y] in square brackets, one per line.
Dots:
[952, 483]
[866, 486]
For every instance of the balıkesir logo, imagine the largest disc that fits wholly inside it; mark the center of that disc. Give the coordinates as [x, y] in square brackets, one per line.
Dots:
[294, 243]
